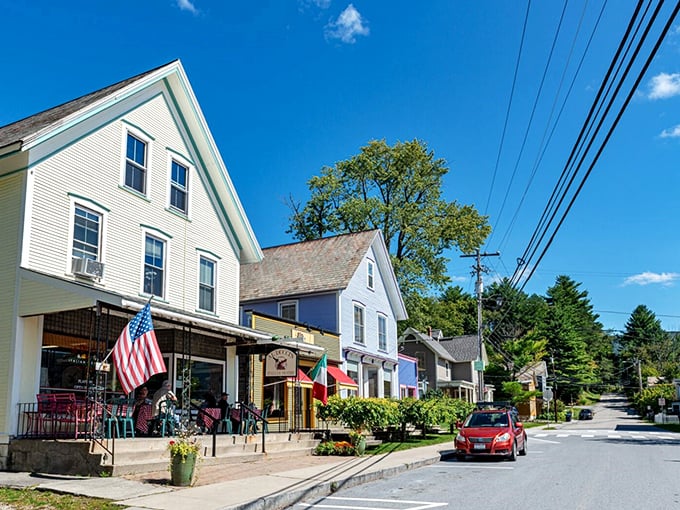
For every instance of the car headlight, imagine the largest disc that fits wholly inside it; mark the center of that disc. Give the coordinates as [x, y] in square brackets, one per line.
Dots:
[505, 436]
[460, 438]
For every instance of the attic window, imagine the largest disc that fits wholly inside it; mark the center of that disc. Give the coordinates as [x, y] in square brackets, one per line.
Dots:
[370, 268]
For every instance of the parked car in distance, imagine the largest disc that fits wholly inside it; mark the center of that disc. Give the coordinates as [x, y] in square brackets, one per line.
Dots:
[491, 432]
[585, 414]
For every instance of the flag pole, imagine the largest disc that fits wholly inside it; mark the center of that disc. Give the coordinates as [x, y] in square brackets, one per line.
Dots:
[103, 366]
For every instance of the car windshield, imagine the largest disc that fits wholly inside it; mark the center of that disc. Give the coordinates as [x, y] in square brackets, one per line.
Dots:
[488, 420]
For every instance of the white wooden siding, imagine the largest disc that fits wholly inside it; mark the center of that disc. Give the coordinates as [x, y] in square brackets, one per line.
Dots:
[375, 301]
[11, 193]
[91, 167]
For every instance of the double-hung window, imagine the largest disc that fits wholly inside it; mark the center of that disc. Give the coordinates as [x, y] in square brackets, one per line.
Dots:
[136, 164]
[179, 186]
[87, 225]
[154, 266]
[382, 332]
[206, 285]
[359, 324]
[370, 277]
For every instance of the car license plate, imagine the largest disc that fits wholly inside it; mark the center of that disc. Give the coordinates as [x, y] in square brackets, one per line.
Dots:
[480, 446]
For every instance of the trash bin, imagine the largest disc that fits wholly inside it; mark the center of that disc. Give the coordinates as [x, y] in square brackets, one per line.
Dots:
[568, 415]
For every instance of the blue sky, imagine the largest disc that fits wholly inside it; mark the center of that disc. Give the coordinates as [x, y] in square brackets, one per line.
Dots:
[288, 86]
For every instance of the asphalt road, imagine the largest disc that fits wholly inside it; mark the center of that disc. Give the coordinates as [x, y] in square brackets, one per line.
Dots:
[612, 461]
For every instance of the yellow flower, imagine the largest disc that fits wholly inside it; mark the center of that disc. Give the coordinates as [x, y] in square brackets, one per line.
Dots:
[184, 447]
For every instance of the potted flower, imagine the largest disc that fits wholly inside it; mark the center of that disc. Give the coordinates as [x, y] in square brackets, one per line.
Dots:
[184, 452]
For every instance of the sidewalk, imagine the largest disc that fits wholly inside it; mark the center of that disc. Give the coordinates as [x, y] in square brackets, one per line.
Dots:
[266, 484]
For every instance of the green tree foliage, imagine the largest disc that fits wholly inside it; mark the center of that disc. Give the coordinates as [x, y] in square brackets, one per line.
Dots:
[572, 330]
[645, 340]
[396, 189]
[453, 311]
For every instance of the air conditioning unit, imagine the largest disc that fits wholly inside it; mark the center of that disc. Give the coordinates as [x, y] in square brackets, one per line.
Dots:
[87, 268]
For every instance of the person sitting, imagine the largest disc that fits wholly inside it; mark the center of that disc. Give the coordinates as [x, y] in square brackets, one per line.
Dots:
[161, 396]
[209, 401]
[223, 404]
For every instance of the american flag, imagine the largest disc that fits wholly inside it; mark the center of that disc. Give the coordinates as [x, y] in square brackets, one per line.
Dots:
[136, 355]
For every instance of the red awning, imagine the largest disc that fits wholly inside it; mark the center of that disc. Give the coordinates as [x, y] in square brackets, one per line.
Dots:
[302, 378]
[341, 378]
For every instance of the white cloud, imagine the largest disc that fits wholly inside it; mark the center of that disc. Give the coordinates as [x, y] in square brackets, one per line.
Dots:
[664, 85]
[648, 278]
[187, 5]
[348, 25]
[673, 132]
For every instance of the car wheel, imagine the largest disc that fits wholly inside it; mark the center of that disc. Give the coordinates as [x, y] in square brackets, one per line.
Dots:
[523, 451]
[513, 452]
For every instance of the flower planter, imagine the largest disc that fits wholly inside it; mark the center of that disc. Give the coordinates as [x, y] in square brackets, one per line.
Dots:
[182, 470]
[360, 445]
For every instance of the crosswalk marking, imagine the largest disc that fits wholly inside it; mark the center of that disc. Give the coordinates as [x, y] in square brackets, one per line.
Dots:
[633, 435]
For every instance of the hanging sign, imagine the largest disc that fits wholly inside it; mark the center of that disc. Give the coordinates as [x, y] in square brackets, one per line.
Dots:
[281, 363]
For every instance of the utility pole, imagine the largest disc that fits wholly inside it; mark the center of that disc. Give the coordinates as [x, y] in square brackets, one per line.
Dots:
[480, 338]
[639, 371]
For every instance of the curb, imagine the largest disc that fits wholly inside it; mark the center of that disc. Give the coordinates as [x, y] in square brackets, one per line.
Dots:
[288, 499]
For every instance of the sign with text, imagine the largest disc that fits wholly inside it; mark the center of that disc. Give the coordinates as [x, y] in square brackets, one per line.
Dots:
[280, 363]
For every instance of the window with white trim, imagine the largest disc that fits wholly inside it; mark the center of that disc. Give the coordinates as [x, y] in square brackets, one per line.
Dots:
[87, 227]
[136, 163]
[359, 324]
[154, 265]
[387, 383]
[382, 332]
[288, 310]
[179, 186]
[370, 269]
[206, 284]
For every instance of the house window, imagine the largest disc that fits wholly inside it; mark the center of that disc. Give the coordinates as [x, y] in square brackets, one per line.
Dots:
[288, 310]
[135, 164]
[86, 233]
[179, 177]
[382, 332]
[359, 324]
[154, 266]
[387, 383]
[370, 268]
[353, 370]
[206, 285]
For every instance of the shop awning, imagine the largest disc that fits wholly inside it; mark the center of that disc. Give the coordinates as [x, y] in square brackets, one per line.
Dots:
[302, 378]
[341, 378]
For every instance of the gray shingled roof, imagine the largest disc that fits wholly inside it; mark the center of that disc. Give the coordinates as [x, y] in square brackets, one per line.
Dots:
[462, 348]
[18, 131]
[435, 346]
[307, 267]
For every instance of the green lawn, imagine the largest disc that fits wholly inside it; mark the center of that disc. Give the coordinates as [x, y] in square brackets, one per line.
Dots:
[30, 499]
[415, 442]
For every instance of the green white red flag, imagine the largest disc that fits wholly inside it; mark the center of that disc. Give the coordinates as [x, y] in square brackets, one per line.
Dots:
[319, 375]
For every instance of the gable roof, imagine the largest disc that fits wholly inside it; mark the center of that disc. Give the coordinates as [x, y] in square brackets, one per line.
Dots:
[25, 134]
[411, 335]
[317, 266]
[25, 130]
[462, 348]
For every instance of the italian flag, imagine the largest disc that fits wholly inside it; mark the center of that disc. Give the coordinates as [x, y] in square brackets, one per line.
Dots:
[318, 374]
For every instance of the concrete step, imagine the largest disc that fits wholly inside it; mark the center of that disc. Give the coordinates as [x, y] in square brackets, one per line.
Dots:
[150, 454]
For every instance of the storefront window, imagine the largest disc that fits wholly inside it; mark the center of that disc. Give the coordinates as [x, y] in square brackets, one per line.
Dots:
[207, 377]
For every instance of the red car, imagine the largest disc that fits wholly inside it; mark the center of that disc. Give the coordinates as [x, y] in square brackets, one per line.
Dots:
[491, 432]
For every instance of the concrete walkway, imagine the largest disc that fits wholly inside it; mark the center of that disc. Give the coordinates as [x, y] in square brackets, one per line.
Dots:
[255, 485]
